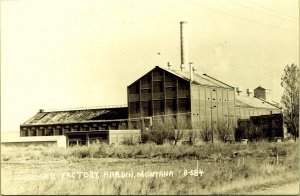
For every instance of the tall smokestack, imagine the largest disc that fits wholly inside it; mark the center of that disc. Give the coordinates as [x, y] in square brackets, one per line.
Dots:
[183, 45]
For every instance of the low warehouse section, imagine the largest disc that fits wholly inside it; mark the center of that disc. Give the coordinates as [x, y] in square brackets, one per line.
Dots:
[261, 127]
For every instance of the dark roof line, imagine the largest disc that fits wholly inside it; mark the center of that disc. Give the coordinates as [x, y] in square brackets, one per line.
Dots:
[218, 80]
[85, 108]
[263, 88]
[269, 102]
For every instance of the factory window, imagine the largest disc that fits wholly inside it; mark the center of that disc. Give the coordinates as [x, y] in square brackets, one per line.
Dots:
[157, 75]
[134, 107]
[48, 132]
[158, 86]
[171, 105]
[158, 107]
[24, 133]
[146, 79]
[133, 89]
[183, 85]
[146, 108]
[75, 128]
[61, 132]
[66, 128]
[84, 128]
[93, 128]
[32, 131]
[183, 105]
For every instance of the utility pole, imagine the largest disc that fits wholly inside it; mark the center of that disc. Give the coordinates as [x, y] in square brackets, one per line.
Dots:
[211, 123]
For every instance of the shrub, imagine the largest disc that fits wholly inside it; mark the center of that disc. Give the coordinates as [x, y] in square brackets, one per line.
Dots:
[206, 133]
[224, 131]
[128, 141]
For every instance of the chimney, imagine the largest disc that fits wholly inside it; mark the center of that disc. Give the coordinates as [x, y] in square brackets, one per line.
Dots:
[194, 70]
[191, 72]
[169, 65]
[249, 92]
[239, 90]
[41, 110]
[183, 45]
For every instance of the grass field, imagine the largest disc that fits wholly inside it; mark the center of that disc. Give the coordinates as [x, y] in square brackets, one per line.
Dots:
[148, 169]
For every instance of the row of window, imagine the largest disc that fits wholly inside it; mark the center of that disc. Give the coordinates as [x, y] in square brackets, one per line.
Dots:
[60, 130]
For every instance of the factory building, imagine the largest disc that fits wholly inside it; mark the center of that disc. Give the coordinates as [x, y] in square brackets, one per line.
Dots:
[200, 100]
[197, 99]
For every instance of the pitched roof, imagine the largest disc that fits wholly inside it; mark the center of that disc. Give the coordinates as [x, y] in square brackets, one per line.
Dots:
[260, 87]
[246, 101]
[199, 79]
[78, 115]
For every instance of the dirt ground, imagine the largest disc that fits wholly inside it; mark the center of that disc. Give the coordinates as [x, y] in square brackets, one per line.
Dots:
[288, 189]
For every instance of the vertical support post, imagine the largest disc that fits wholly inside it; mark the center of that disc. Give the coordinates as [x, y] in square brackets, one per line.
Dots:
[152, 101]
[228, 108]
[190, 106]
[164, 91]
[140, 97]
[211, 125]
[87, 139]
[211, 116]
[177, 97]
[177, 104]
[128, 101]
[234, 118]
[67, 140]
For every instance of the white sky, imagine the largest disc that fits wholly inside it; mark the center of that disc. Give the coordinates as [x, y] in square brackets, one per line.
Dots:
[78, 53]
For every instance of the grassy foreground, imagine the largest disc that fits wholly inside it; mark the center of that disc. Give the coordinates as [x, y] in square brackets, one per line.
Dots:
[148, 169]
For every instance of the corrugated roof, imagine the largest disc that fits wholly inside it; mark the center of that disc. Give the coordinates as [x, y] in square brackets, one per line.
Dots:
[78, 115]
[246, 101]
[199, 79]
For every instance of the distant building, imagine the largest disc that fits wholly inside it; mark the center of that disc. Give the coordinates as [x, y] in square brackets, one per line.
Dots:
[262, 93]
